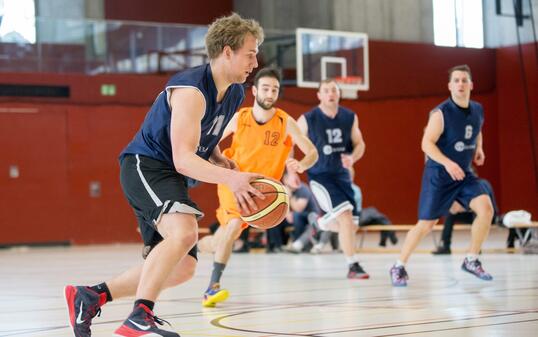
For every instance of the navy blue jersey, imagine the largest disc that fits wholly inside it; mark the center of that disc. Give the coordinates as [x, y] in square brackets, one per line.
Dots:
[153, 138]
[461, 128]
[332, 137]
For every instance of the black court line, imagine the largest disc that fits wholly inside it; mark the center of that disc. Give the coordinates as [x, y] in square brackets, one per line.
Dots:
[217, 323]
[264, 307]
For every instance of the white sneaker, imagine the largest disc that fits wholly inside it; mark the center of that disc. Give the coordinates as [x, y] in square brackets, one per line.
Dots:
[296, 247]
[321, 248]
[316, 249]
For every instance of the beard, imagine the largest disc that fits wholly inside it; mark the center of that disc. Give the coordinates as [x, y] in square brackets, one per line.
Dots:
[263, 105]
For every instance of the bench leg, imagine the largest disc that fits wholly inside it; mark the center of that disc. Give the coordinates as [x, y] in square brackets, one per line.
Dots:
[361, 241]
[523, 239]
[434, 238]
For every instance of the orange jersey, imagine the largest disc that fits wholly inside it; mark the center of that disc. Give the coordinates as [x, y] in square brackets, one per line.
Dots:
[258, 148]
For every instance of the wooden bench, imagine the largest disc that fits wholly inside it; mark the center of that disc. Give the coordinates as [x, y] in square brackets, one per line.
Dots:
[363, 230]
[523, 238]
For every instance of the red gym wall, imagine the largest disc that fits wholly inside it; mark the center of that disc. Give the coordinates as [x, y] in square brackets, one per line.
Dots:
[62, 145]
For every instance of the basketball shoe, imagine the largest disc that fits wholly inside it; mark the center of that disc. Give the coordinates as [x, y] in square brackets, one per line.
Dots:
[398, 276]
[475, 267]
[214, 295]
[83, 304]
[356, 272]
[141, 322]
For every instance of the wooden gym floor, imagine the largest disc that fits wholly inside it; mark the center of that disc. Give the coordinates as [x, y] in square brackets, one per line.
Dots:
[287, 295]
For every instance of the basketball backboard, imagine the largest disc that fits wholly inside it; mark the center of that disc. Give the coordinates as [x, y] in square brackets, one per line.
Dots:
[325, 54]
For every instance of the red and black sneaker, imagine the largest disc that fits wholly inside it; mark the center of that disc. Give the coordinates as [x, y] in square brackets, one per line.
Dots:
[141, 322]
[83, 304]
[356, 272]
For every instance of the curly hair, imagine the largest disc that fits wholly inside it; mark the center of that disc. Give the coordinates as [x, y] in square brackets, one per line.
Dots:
[230, 31]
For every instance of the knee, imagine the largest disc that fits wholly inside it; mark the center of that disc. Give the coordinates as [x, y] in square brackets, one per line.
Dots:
[184, 236]
[346, 219]
[425, 226]
[486, 212]
[179, 228]
[233, 230]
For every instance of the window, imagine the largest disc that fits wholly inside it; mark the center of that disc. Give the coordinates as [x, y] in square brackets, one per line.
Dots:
[17, 21]
[458, 23]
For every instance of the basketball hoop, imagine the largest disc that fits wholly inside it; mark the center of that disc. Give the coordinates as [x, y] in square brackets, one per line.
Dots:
[349, 93]
[322, 54]
[349, 86]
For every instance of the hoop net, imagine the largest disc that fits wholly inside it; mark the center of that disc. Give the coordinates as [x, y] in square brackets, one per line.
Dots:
[349, 85]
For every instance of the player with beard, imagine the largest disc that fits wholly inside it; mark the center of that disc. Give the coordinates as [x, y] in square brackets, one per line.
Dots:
[263, 138]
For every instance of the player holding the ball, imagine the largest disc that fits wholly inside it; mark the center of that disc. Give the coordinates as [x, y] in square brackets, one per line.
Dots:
[263, 138]
[335, 132]
[175, 144]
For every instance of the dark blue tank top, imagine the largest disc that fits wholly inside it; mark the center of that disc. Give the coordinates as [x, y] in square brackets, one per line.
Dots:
[461, 128]
[153, 138]
[332, 137]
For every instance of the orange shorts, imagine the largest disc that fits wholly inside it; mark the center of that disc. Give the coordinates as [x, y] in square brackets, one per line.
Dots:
[228, 208]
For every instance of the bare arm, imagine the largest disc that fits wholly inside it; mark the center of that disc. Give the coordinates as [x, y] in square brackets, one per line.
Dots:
[231, 127]
[359, 147]
[188, 107]
[217, 157]
[479, 156]
[304, 144]
[433, 131]
[303, 126]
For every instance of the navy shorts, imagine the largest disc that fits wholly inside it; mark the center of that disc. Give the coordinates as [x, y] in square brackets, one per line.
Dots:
[439, 191]
[334, 193]
[153, 188]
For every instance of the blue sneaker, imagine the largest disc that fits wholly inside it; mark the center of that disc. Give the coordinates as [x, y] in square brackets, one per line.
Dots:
[214, 295]
[475, 267]
[83, 304]
[398, 276]
[141, 322]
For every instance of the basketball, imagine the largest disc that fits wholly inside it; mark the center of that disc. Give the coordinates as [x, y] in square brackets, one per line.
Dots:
[271, 210]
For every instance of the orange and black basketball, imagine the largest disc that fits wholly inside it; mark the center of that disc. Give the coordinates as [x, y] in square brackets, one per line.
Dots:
[271, 210]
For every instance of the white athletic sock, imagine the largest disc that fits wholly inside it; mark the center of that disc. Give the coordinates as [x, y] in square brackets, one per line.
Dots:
[399, 263]
[351, 259]
[471, 257]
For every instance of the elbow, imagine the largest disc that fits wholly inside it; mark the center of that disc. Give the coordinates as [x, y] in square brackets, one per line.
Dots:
[315, 155]
[424, 146]
[180, 164]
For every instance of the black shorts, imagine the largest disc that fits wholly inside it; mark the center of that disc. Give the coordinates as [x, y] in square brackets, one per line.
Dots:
[153, 188]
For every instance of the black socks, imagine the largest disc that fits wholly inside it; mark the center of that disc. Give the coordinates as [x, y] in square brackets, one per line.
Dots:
[102, 288]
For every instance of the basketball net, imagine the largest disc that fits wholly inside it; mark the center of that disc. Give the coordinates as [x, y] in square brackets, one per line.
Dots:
[349, 86]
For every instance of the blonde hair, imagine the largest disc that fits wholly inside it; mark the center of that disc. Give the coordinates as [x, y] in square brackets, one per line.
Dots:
[230, 31]
[327, 81]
